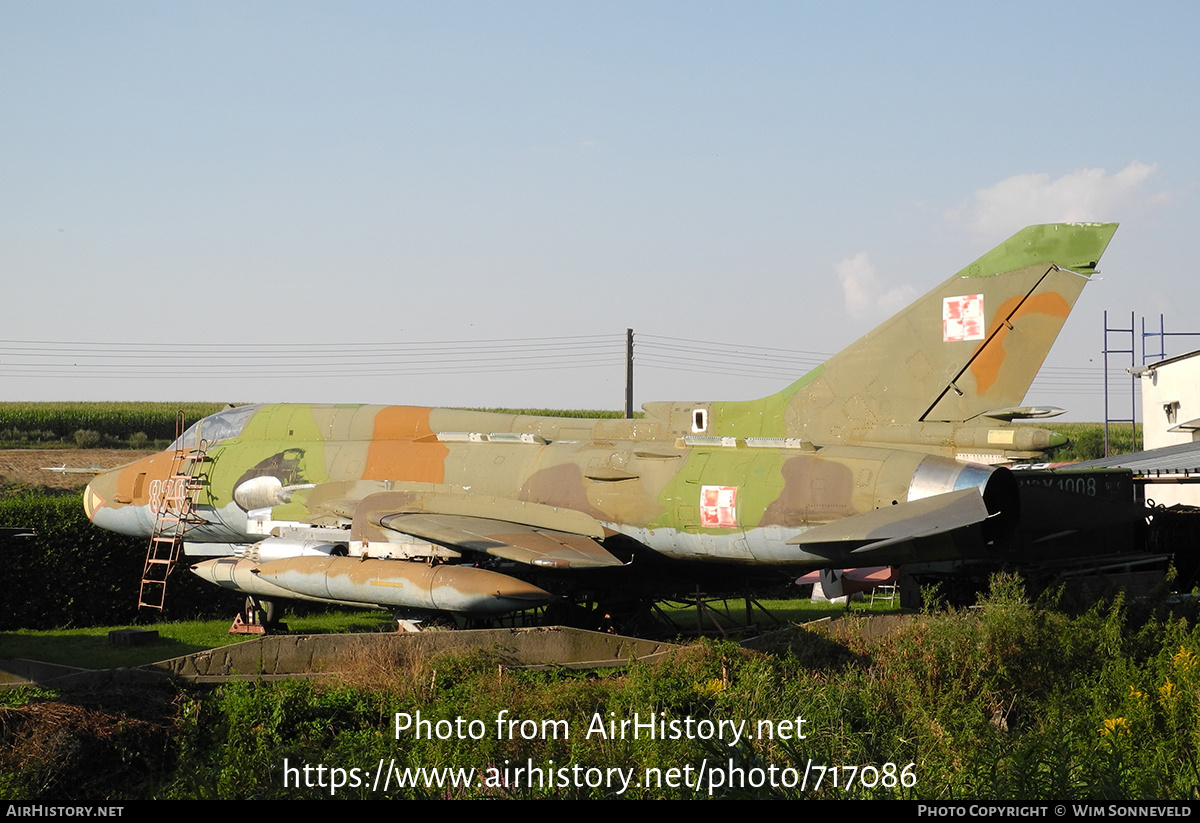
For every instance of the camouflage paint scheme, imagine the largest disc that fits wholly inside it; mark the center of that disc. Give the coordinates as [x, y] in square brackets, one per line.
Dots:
[880, 456]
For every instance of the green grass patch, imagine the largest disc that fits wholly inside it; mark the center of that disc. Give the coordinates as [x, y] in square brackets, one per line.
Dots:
[730, 614]
[1087, 440]
[90, 648]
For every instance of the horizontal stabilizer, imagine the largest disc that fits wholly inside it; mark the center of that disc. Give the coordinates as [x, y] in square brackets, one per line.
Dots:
[897, 524]
[1025, 413]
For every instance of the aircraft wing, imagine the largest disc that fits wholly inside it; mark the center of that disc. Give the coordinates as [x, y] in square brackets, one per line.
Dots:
[512, 541]
[524, 532]
[894, 525]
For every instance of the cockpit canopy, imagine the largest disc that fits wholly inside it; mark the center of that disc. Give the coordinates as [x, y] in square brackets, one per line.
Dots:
[220, 426]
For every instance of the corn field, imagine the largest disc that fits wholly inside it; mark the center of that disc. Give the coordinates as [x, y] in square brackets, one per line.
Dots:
[86, 425]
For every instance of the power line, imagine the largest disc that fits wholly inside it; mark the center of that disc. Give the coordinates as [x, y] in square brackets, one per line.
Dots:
[75, 360]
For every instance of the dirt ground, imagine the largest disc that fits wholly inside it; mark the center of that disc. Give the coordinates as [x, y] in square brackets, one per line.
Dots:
[26, 468]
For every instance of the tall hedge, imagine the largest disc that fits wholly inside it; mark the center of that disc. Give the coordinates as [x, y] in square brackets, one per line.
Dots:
[74, 574]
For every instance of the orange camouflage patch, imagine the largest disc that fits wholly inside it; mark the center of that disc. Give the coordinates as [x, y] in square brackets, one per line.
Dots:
[148, 469]
[986, 366]
[402, 423]
[392, 454]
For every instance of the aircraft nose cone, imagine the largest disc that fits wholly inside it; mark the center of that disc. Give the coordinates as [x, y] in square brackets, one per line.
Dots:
[96, 494]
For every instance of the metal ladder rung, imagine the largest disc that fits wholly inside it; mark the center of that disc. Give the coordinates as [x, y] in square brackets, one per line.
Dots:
[176, 513]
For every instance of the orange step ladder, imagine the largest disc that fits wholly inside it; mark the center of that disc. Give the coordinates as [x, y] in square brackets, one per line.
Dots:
[175, 515]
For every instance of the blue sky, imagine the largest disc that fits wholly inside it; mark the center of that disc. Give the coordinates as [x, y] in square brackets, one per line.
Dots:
[282, 182]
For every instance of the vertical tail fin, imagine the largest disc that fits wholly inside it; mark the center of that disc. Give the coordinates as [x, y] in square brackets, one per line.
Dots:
[972, 345]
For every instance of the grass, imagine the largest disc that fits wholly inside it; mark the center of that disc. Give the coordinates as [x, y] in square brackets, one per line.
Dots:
[1087, 440]
[732, 613]
[90, 649]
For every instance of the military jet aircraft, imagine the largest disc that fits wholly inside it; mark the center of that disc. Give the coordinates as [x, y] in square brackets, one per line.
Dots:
[885, 455]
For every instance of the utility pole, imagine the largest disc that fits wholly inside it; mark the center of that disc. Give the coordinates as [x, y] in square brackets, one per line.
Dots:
[629, 374]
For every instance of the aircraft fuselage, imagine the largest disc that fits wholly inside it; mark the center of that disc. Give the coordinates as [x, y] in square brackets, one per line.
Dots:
[733, 500]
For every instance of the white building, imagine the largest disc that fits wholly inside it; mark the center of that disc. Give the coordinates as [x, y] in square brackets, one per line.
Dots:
[1171, 417]
[1171, 401]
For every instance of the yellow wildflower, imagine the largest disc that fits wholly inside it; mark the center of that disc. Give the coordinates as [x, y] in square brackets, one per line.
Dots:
[1114, 726]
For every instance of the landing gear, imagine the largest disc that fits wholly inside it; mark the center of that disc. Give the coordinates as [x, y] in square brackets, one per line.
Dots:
[257, 616]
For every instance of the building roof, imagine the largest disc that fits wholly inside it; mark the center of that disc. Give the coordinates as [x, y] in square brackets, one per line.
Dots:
[1181, 461]
[1174, 359]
